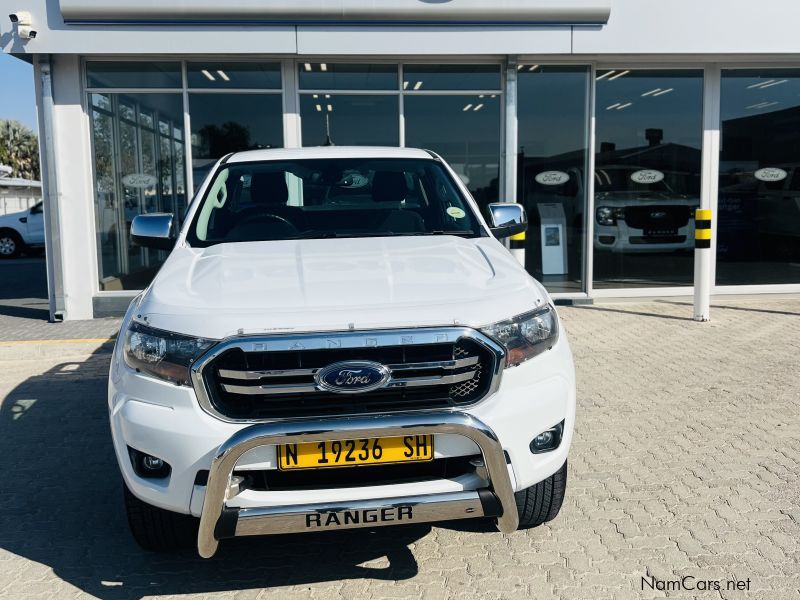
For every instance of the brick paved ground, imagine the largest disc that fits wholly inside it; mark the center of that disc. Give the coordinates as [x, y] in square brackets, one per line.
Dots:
[686, 461]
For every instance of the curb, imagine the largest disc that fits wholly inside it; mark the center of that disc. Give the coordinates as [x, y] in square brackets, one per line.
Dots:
[38, 349]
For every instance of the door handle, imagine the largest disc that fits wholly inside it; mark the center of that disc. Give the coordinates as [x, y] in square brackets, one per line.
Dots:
[23, 219]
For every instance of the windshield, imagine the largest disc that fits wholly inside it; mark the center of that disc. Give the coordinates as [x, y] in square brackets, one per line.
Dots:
[325, 198]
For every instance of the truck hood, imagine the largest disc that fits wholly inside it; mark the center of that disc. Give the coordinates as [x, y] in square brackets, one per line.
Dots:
[337, 284]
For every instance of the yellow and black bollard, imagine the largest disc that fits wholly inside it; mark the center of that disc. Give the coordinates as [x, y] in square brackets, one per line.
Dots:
[702, 228]
[702, 264]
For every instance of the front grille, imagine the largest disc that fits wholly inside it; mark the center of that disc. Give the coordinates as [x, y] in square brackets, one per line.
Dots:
[658, 217]
[255, 385]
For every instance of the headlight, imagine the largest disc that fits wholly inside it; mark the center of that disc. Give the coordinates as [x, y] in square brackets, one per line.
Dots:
[526, 335]
[608, 216]
[162, 354]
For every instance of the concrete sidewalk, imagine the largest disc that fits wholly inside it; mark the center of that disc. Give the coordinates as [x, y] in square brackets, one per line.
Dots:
[23, 337]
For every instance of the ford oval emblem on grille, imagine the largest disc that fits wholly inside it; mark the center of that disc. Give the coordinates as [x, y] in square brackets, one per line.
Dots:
[352, 377]
[658, 214]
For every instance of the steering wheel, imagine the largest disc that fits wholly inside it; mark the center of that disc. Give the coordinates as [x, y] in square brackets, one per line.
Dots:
[290, 230]
[265, 217]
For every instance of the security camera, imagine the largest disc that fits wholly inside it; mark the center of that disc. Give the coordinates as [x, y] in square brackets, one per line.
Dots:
[26, 33]
[21, 18]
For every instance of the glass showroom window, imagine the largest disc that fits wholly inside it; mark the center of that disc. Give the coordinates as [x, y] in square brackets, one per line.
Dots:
[445, 113]
[647, 176]
[138, 168]
[232, 107]
[758, 228]
[366, 116]
[552, 110]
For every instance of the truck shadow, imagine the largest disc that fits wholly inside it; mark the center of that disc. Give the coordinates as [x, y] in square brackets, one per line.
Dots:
[61, 506]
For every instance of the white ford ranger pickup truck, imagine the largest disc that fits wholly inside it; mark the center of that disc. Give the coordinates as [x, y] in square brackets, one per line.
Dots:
[337, 339]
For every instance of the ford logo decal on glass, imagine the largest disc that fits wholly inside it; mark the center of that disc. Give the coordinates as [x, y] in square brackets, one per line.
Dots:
[352, 377]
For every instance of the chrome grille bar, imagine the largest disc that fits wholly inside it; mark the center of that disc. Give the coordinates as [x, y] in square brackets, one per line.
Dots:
[266, 390]
[255, 375]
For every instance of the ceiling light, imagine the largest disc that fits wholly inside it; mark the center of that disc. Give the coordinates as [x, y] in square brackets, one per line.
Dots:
[319, 108]
[481, 96]
[493, 96]
[604, 75]
[327, 95]
[662, 92]
[615, 105]
[618, 75]
[208, 75]
[519, 67]
[330, 108]
[653, 91]
[223, 74]
[766, 85]
[759, 84]
[307, 66]
[626, 105]
[477, 107]
[323, 67]
[405, 85]
[533, 67]
[417, 85]
[315, 96]
[467, 107]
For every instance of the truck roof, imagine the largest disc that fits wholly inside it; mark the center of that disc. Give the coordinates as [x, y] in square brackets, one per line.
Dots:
[329, 152]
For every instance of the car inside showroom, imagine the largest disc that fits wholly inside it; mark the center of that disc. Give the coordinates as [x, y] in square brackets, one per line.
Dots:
[610, 122]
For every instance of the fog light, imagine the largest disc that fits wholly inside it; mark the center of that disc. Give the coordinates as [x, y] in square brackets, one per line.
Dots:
[148, 466]
[152, 463]
[547, 440]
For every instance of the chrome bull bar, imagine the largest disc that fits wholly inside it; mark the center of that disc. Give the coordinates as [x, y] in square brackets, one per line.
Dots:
[218, 521]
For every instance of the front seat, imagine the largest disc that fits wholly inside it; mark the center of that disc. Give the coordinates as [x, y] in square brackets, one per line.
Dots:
[269, 193]
[390, 186]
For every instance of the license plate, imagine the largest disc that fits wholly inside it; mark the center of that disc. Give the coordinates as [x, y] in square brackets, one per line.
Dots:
[351, 453]
[660, 232]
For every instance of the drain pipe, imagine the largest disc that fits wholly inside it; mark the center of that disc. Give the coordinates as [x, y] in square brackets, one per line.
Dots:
[50, 195]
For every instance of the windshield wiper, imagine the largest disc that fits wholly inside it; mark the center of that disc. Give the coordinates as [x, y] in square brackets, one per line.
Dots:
[333, 234]
[443, 232]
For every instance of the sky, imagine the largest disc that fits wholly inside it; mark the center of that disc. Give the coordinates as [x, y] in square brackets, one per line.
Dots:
[17, 98]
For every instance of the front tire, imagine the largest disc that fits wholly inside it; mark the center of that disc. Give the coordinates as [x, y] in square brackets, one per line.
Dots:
[540, 503]
[159, 530]
[10, 244]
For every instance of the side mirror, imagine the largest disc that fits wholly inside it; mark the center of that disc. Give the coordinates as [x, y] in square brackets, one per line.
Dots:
[153, 231]
[507, 219]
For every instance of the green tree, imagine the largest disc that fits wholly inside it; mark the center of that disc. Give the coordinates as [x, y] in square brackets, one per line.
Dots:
[19, 149]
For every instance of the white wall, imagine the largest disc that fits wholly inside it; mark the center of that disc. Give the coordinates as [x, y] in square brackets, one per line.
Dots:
[634, 27]
[694, 27]
[74, 183]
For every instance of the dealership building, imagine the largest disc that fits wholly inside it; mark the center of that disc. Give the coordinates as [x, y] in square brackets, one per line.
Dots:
[611, 121]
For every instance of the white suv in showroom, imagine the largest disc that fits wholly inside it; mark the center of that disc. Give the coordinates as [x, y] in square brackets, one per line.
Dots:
[337, 340]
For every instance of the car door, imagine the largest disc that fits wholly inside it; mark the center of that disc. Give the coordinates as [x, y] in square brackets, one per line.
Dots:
[34, 227]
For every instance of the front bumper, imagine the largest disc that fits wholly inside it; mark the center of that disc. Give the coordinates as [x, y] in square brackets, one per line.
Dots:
[166, 420]
[218, 520]
[623, 238]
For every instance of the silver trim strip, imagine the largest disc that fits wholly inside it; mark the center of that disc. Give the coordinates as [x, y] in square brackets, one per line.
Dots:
[253, 375]
[269, 389]
[261, 521]
[342, 339]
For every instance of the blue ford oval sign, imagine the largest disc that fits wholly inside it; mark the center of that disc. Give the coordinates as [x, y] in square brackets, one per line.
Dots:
[352, 377]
